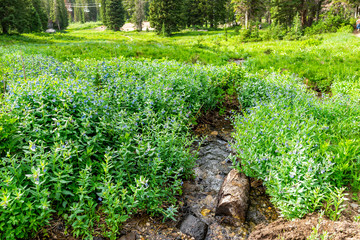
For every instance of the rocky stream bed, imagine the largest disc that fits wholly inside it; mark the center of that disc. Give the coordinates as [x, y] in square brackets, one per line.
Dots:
[205, 204]
[199, 218]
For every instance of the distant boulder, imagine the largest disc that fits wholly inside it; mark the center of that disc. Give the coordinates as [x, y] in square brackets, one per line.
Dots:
[50, 30]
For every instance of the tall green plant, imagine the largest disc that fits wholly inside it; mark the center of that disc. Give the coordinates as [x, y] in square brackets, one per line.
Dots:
[115, 14]
[166, 15]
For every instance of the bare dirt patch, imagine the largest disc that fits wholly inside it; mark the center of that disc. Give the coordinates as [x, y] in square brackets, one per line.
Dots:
[100, 29]
[131, 27]
[301, 229]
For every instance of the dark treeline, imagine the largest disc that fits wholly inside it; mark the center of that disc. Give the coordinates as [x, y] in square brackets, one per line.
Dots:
[167, 16]
[32, 15]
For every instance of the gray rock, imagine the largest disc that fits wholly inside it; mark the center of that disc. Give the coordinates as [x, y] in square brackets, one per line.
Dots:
[194, 227]
[50, 30]
[354, 205]
[234, 196]
[256, 217]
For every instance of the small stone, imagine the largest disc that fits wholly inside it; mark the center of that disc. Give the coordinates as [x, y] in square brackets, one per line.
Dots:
[209, 201]
[50, 30]
[148, 224]
[214, 133]
[194, 227]
[255, 216]
[234, 196]
[354, 205]
[129, 236]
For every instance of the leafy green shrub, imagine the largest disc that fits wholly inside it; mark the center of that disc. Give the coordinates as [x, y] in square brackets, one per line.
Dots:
[300, 146]
[245, 34]
[274, 32]
[331, 23]
[105, 138]
[317, 28]
[345, 29]
[295, 31]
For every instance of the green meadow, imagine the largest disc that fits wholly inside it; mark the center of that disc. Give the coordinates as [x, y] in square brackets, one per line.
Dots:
[96, 125]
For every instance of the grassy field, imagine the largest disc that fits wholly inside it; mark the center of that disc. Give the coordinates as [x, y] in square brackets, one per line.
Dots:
[95, 125]
[326, 60]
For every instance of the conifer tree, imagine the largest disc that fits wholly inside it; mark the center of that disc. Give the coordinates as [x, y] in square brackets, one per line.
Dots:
[248, 10]
[115, 14]
[139, 14]
[40, 10]
[34, 21]
[20, 16]
[103, 11]
[215, 12]
[58, 14]
[166, 15]
[79, 14]
[195, 12]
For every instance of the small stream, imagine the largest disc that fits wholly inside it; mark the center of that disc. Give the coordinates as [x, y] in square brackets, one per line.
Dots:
[199, 197]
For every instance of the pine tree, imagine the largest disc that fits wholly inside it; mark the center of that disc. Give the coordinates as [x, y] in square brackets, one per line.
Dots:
[34, 21]
[64, 21]
[58, 13]
[195, 13]
[215, 12]
[166, 15]
[129, 6]
[115, 14]
[103, 11]
[79, 14]
[41, 12]
[139, 14]
[20, 16]
[247, 10]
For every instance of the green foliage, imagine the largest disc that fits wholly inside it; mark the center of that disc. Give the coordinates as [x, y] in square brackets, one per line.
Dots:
[107, 138]
[335, 204]
[40, 11]
[165, 16]
[331, 23]
[103, 11]
[115, 14]
[195, 12]
[327, 61]
[21, 16]
[275, 32]
[58, 14]
[295, 32]
[292, 141]
[84, 26]
[215, 12]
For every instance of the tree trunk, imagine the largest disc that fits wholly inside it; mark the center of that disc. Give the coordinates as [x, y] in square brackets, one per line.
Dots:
[5, 28]
[355, 11]
[246, 18]
[318, 10]
[303, 17]
[268, 18]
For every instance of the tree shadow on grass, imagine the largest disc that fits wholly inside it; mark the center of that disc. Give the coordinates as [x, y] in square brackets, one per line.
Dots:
[38, 38]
